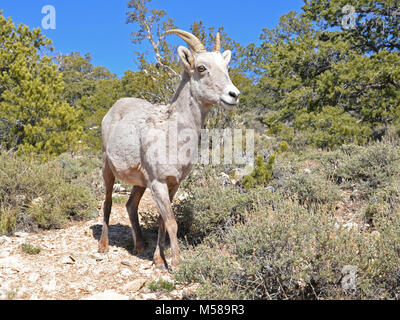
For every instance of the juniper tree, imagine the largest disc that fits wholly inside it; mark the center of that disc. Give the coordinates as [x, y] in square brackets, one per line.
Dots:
[33, 116]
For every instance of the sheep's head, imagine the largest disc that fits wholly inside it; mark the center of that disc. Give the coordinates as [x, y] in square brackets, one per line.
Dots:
[208, 71]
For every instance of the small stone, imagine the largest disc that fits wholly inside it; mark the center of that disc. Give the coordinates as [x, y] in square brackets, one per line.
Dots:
[270, 189]
[10, 262]
[107, 295]
[224, 175]
[126, 273]
[4, 254]
[135, 285]
[376, 234]
[183, 196]
[146, 266]
[67, 260]
[37, 202]
[96, 257]
[148, 296]
[21, 234]
[126, 263]
[351, 226]
[4, 240]
[51, 285]
[20, 198]
[118, 188]
[33, 277]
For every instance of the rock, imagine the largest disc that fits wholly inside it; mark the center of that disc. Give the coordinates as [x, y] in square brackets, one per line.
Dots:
[96, 257]
[67, 260]
[4, 254]
[126, 273]
[183, 196]
[37, 202]
[33, 277]
[21, 234]
[126, 263]
[270, 189]
[20, 198]
[118, 188]
[11, 262]
[4, 240]
[224, 175]
[225, 179]
[135, 285]
[51, 285]
[148, 296]
[107, 295]
[351, 226]
[307, 171]
[376, 234]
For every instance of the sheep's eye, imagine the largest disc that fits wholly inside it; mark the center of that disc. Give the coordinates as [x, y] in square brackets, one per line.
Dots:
[201, 69]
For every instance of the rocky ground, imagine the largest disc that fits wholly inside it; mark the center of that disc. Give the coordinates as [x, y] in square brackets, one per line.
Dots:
[68, 266]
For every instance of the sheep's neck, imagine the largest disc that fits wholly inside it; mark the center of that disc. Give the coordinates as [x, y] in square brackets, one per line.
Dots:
[186, 110]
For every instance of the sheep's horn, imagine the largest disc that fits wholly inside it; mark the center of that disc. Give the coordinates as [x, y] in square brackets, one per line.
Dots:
[217, 44]
[194, 43]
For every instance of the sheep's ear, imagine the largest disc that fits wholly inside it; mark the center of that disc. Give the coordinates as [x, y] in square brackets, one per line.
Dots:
[227, 55]
[187, 58]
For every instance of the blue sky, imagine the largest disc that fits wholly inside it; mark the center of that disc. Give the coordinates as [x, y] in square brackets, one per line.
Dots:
[98, 26]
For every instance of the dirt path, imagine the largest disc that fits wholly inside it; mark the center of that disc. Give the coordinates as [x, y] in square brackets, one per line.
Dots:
[69, 267]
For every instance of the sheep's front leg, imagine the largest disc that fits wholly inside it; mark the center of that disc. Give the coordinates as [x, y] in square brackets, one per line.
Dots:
[159, 258]
[161, 196]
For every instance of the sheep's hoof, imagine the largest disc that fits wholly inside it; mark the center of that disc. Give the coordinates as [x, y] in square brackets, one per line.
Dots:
[161, 267]
[103, 248]
[139, 249]
[159, 263]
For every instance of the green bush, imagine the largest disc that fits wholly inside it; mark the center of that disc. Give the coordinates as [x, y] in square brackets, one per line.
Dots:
[301, 177]
[30, 249]
[161, 286]
[311, 188]
[262, 173]
[331, 128]
[210, 207]
[35, 194]
[373, 170]
[295, 253]
[84, 169]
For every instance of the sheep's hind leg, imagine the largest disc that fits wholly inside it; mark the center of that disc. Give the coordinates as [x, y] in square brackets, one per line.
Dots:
[109, 180]
[132, 208]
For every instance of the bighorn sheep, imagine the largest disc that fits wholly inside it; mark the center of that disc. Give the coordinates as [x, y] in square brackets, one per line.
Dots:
[137, 134]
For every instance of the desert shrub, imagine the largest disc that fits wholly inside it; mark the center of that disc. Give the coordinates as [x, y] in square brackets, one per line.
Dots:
[372, 170]
[261, 174]
[84, 168]
[30, 249]
[308, 188]
[295, 253]
[210, 206]
[35, 194]
[161, 285]
[263, 170]
[300, 176]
